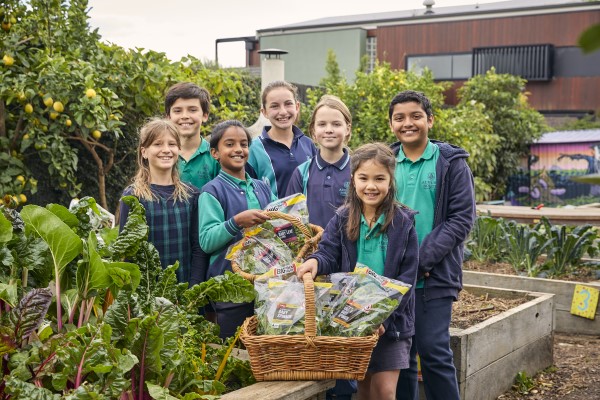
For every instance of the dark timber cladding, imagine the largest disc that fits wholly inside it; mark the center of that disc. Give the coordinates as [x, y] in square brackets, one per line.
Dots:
[561, 30]
[394, 43]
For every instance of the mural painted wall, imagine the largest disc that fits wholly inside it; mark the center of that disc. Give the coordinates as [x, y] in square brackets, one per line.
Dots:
[545, 177]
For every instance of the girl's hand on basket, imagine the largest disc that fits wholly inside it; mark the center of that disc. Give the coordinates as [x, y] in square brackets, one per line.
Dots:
[380, 330]
[249, 218]
[309, 266]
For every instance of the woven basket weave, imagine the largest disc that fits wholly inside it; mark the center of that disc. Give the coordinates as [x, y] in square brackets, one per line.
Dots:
[306, 357]
[312, 232]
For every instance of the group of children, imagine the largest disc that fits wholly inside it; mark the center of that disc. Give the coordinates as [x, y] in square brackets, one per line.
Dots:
[404, 210]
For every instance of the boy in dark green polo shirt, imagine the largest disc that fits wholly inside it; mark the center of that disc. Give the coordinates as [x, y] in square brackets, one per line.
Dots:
[188, 105]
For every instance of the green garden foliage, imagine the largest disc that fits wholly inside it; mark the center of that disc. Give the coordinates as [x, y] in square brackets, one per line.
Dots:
[94, 325]
[554, 250]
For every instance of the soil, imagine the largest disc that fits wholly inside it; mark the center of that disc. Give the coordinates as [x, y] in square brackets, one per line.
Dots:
[575, 374]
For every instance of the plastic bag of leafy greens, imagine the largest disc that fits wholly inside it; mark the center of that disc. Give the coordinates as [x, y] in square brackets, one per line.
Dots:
[364, 303]
[259, 251]
[322, 305]
[283, 311]
[294, 205]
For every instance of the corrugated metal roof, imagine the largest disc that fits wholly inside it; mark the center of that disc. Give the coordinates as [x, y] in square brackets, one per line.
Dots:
[586, 135]
[383, 17]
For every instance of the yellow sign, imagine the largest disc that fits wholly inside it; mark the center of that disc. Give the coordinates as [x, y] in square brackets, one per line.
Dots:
[585, 301]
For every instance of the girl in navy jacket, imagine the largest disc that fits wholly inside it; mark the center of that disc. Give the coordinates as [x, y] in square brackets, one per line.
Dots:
[373, 229]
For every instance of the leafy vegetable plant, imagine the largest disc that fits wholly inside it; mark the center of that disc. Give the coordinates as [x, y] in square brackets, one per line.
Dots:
[87, 313]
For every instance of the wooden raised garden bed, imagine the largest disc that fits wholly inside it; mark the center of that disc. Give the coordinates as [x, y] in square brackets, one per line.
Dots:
[488, 355]
[565, 322]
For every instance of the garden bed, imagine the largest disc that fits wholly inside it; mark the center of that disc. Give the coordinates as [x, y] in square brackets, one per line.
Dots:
[565, 322]
[489, 354]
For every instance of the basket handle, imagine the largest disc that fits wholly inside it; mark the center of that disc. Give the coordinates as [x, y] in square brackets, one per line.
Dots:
[310, 321]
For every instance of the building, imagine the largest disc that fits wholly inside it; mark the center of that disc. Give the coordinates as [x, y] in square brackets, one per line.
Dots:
[535, 39]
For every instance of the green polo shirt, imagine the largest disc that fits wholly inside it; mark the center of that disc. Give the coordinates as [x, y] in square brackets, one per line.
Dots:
[415, 187]
[372, 245]
[200, 168]
[213, 219]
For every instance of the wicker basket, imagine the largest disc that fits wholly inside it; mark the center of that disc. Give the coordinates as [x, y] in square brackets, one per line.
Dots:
[306, 357]
[312, 232]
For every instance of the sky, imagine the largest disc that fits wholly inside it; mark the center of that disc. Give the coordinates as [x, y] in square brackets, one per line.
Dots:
[182, 27]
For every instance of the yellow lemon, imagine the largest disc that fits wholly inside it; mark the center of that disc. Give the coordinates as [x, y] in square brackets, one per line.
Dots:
[68, 122]
[90, 93]
[58, 106]
[6, 26]
[22, 198]
[21, 178]
[26, 137]
[28, 108]
[48, 101]
[97, 134]
[53, 115]
[8, 60]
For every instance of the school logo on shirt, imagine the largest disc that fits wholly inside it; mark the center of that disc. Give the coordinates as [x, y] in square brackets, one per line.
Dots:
[429, 182]
[344, 189]
[203, 173]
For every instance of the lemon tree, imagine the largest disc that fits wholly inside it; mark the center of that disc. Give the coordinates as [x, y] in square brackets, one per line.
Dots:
[74, 104]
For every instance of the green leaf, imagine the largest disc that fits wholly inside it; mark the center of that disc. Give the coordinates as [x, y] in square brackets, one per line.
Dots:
[64, 214]
[134, 232]
[6, 229]
[168, 323]
[8, 293]
[158, 392]
[117, 315]
[147, 343]
[20, 390]
[589, 40]
[223, 288]
[92, 274]
[64, 244]
[123, 274]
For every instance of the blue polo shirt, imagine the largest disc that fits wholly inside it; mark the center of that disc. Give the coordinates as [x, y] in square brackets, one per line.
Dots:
[325, 186]
[372, 245]
[274, 162]
[200, 168]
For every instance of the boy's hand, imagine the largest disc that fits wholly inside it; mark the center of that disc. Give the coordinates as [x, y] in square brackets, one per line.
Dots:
[249, 218]
[309, 266]
[380, 330]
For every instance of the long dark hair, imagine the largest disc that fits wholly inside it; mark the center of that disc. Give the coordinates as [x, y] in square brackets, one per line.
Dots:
[381, 154]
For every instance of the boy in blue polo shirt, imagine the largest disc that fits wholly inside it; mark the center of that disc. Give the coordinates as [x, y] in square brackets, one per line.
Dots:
[434, 179]
[230, 202]
[325, 179]
[188, 105]
[275, 154]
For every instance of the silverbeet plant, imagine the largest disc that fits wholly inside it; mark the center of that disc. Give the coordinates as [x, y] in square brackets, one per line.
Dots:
[87, 313]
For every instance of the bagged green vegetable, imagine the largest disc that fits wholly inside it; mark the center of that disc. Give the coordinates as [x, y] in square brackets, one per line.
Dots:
[280, 307]
[294, 205]
[260, 251]
[360, 302]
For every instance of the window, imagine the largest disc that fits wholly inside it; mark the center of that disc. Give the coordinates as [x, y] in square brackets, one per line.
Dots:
[533, 62]
[371, 53]
[446, 66]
